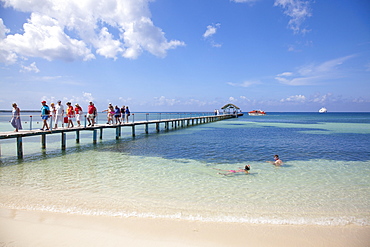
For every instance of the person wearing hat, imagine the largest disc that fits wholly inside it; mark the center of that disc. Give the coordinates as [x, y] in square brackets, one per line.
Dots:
[59, 113]
[78, 112]
[45, 112]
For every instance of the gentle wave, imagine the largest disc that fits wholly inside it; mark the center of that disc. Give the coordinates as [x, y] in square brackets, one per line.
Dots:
[323, 221]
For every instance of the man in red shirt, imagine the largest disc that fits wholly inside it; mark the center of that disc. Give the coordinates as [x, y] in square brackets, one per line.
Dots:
[91, 114]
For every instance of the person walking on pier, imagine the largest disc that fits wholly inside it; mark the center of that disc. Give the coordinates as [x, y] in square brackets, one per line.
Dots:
[45, 112]
[16, 118]
[52, 112]
[127, 111]
[110, 113]
[59, 113]
[70, 115]
[117, 114]
[123, 111]
[91, 114]
[78, 112]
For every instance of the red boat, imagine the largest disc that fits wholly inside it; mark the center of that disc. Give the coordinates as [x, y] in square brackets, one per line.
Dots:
[256, 113]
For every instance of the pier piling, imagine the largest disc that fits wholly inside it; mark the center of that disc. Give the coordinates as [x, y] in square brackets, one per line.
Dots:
[176, 123]
[19, 147]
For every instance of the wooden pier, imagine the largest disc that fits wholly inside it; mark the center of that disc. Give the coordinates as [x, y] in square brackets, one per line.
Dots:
[168, 123]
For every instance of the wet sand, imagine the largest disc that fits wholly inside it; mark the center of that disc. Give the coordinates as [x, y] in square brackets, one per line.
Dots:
[32, 228]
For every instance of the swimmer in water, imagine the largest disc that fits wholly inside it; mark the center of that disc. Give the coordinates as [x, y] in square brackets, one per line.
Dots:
[228, 172]
[277, 162]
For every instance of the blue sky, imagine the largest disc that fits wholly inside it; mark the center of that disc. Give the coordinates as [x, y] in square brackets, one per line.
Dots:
[187, 55]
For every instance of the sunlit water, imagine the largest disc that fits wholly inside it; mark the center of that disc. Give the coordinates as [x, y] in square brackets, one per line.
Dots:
[324, 179]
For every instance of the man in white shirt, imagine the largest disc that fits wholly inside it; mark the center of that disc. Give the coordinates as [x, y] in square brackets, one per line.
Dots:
[59, 114]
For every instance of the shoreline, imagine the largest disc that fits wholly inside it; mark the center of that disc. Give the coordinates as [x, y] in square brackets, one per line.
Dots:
[39, 228]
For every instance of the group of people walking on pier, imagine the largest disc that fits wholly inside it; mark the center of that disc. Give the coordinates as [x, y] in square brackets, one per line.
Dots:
[59, 115]
[119, 114]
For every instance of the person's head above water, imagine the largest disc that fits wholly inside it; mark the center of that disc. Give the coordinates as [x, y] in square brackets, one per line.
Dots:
[247, 168]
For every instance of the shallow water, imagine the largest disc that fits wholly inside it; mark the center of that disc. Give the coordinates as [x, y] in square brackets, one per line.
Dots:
[324, 179]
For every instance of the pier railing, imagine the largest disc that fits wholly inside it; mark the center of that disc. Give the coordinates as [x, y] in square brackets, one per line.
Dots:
[168, 121]
[32, 121]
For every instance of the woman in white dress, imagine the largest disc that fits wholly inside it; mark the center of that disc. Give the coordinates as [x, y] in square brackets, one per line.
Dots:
[16, 118]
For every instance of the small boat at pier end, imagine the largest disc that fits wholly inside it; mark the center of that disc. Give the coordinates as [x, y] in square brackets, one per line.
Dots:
[256, 113]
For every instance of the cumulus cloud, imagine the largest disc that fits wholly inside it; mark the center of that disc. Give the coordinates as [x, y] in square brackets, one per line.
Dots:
[6, 56]
[70, 30]
[3, 29]
[312, 73]
[31, 68]
[298, 11]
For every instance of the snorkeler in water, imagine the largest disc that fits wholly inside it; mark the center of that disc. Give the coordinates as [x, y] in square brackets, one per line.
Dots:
[277, 162]
[229, 172]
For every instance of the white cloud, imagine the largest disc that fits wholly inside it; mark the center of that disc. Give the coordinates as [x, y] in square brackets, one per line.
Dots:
[285, 74]
[3, 30]
[321, 98]
[70, 30]
[87, 97]
[211, 30]
[312, 74]
[243, 1]
[6, 56]
[31, 68]
[244, 84]
[44, 37]
[298, 11]
[232, 99]
[163, 101]
[106, 45]
[295, 98]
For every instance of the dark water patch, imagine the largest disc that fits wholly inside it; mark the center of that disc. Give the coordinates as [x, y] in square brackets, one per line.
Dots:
[222, 145]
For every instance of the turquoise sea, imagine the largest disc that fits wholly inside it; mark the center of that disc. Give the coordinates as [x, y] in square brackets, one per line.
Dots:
[324, 179]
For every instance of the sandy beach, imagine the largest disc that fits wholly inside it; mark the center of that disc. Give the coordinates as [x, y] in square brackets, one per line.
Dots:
[32, 228]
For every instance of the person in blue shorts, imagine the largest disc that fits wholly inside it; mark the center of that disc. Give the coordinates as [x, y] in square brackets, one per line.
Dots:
[117, 114]
[45, 112]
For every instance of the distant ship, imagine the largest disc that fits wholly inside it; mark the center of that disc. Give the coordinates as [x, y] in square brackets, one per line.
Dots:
[256, 113]
[323, 110]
